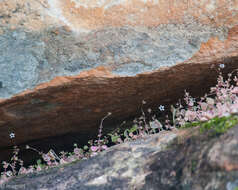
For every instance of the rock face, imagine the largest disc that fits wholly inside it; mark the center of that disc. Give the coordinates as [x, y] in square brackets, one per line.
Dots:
[176, 160]
[65, 64]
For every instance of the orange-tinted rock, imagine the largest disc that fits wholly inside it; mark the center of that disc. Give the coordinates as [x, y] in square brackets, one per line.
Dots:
[98, 14]
[65, 64]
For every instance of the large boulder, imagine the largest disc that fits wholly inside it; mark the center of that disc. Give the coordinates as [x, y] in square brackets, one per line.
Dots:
[178, 160]
[65, 64]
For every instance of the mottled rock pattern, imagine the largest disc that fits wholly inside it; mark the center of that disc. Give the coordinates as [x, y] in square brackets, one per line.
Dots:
[41, 56]
[178, 160]
[65, 64]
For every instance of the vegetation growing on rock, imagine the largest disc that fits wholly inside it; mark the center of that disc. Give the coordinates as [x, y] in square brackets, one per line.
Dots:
[215, 113]
[216, 126]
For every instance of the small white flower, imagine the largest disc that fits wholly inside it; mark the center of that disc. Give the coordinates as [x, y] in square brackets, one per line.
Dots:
[9, 173]
[222, 66]
[12, 135]
[161, 108]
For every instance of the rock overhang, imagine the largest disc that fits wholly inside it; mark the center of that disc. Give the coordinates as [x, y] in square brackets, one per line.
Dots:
[97, 64]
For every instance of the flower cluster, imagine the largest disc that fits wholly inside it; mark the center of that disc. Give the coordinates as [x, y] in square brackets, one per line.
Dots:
[222, 101]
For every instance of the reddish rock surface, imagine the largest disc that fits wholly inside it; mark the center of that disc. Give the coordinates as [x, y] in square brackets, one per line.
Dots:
[72, 64]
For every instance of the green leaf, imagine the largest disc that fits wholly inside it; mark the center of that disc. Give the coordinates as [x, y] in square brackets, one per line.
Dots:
[114, 138]
[85, 147]
[133, 129]
[38, 162]
[126, 133]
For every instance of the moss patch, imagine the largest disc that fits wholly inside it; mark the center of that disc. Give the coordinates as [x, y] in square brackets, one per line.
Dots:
[215, 126]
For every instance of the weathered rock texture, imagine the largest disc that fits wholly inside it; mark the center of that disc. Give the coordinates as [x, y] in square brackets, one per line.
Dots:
[65, 64]
[178, 160]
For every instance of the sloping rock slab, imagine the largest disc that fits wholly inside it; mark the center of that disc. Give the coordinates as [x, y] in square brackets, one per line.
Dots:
[60, 73]
[176, 160]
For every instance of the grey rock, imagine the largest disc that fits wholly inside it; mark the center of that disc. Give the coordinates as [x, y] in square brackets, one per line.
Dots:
[177, 160]
[31, 58]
